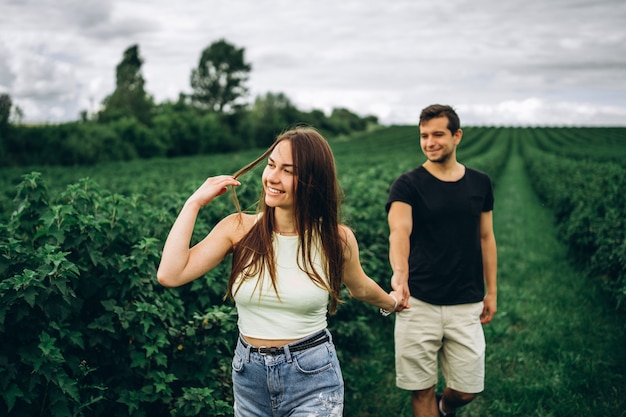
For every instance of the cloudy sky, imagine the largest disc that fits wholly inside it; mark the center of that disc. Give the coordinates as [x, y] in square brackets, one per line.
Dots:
[499, 62]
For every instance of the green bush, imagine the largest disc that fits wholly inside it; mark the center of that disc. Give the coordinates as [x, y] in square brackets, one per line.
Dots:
[86, 328]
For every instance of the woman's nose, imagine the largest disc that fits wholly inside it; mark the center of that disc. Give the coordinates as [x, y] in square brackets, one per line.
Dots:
[272, 176]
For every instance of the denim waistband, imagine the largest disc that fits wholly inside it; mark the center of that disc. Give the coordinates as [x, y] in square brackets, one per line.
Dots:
[308, 342]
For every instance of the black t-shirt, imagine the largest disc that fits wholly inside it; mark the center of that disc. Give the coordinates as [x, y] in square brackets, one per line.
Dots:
[445, 260]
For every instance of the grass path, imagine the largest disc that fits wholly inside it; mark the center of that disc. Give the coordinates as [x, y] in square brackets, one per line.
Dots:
[557, 346]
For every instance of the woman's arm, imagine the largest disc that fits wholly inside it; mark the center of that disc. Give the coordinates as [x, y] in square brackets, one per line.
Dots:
[360, 285]
[181, 264]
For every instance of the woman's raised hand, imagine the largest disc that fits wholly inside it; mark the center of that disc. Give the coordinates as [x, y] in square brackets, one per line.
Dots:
[211, 188]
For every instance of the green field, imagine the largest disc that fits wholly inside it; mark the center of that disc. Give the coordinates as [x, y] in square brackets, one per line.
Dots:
[86, 330]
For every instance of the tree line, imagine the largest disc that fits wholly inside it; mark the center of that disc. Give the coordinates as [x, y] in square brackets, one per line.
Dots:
[215, 117]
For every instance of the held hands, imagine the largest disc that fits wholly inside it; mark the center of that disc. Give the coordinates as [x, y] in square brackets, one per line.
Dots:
[394, 306]
[397, 297]
[401, 289]
[212, 187]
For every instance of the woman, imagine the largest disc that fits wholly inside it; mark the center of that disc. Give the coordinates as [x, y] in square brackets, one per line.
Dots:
[289, 259]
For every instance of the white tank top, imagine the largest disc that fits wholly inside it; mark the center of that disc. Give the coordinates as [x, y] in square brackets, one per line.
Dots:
[301, 309]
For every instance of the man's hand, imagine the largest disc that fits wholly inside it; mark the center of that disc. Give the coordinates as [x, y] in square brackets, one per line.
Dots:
[489, 309]
[401, 287]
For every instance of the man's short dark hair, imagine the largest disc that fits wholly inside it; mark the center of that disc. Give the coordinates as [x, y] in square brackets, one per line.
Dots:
[440, 110]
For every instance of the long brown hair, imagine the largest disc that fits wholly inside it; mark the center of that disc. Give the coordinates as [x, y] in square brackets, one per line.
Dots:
[316, 209]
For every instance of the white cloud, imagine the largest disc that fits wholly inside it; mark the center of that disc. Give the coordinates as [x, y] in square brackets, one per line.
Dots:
[508, 62]
[538, 112]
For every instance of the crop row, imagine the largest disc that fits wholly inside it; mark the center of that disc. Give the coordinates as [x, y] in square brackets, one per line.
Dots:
[586, 192]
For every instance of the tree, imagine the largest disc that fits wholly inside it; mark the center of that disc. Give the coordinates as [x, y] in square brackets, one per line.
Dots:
[5, 111]
[130, 97]
[270, 115]
[17, 115]
[346, 121]
[218, 81]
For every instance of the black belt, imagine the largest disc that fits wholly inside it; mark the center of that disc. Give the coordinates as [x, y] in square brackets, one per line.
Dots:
[304, 345]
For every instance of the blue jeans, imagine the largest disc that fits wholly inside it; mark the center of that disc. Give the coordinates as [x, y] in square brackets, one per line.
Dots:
[305, 383]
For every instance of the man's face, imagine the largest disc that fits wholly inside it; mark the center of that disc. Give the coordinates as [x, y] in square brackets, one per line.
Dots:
[437, 142]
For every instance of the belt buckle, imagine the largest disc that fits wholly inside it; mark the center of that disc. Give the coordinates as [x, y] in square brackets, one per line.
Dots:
[272, 351]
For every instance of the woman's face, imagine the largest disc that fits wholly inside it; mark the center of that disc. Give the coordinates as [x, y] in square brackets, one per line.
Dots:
[279, 177]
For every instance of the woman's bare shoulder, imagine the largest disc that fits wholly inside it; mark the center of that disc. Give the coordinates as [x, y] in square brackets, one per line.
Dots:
[345, 231]
[236, 225]
[239, 221]
[347, 235]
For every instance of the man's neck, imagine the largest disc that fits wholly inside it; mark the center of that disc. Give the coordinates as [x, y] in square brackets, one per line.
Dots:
[451, 170]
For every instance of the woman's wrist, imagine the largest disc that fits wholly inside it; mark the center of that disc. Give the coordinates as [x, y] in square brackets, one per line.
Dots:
[386, 312]
[192, 204]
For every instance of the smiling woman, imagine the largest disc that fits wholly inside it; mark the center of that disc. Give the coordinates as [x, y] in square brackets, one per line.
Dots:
[289, 261]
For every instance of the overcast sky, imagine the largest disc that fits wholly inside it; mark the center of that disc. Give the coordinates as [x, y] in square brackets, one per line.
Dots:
[498, 62]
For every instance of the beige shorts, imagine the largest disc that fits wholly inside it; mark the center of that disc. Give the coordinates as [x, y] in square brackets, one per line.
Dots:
[453, 334]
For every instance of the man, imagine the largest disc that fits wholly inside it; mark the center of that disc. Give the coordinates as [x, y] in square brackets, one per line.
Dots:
[442, 252]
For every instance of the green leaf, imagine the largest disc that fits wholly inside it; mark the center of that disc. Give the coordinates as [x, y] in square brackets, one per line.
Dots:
[103, 322]
[47, 345]
[150, 349]
[68, 386]
[10, 394]
[138, 359]
[30, 296]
